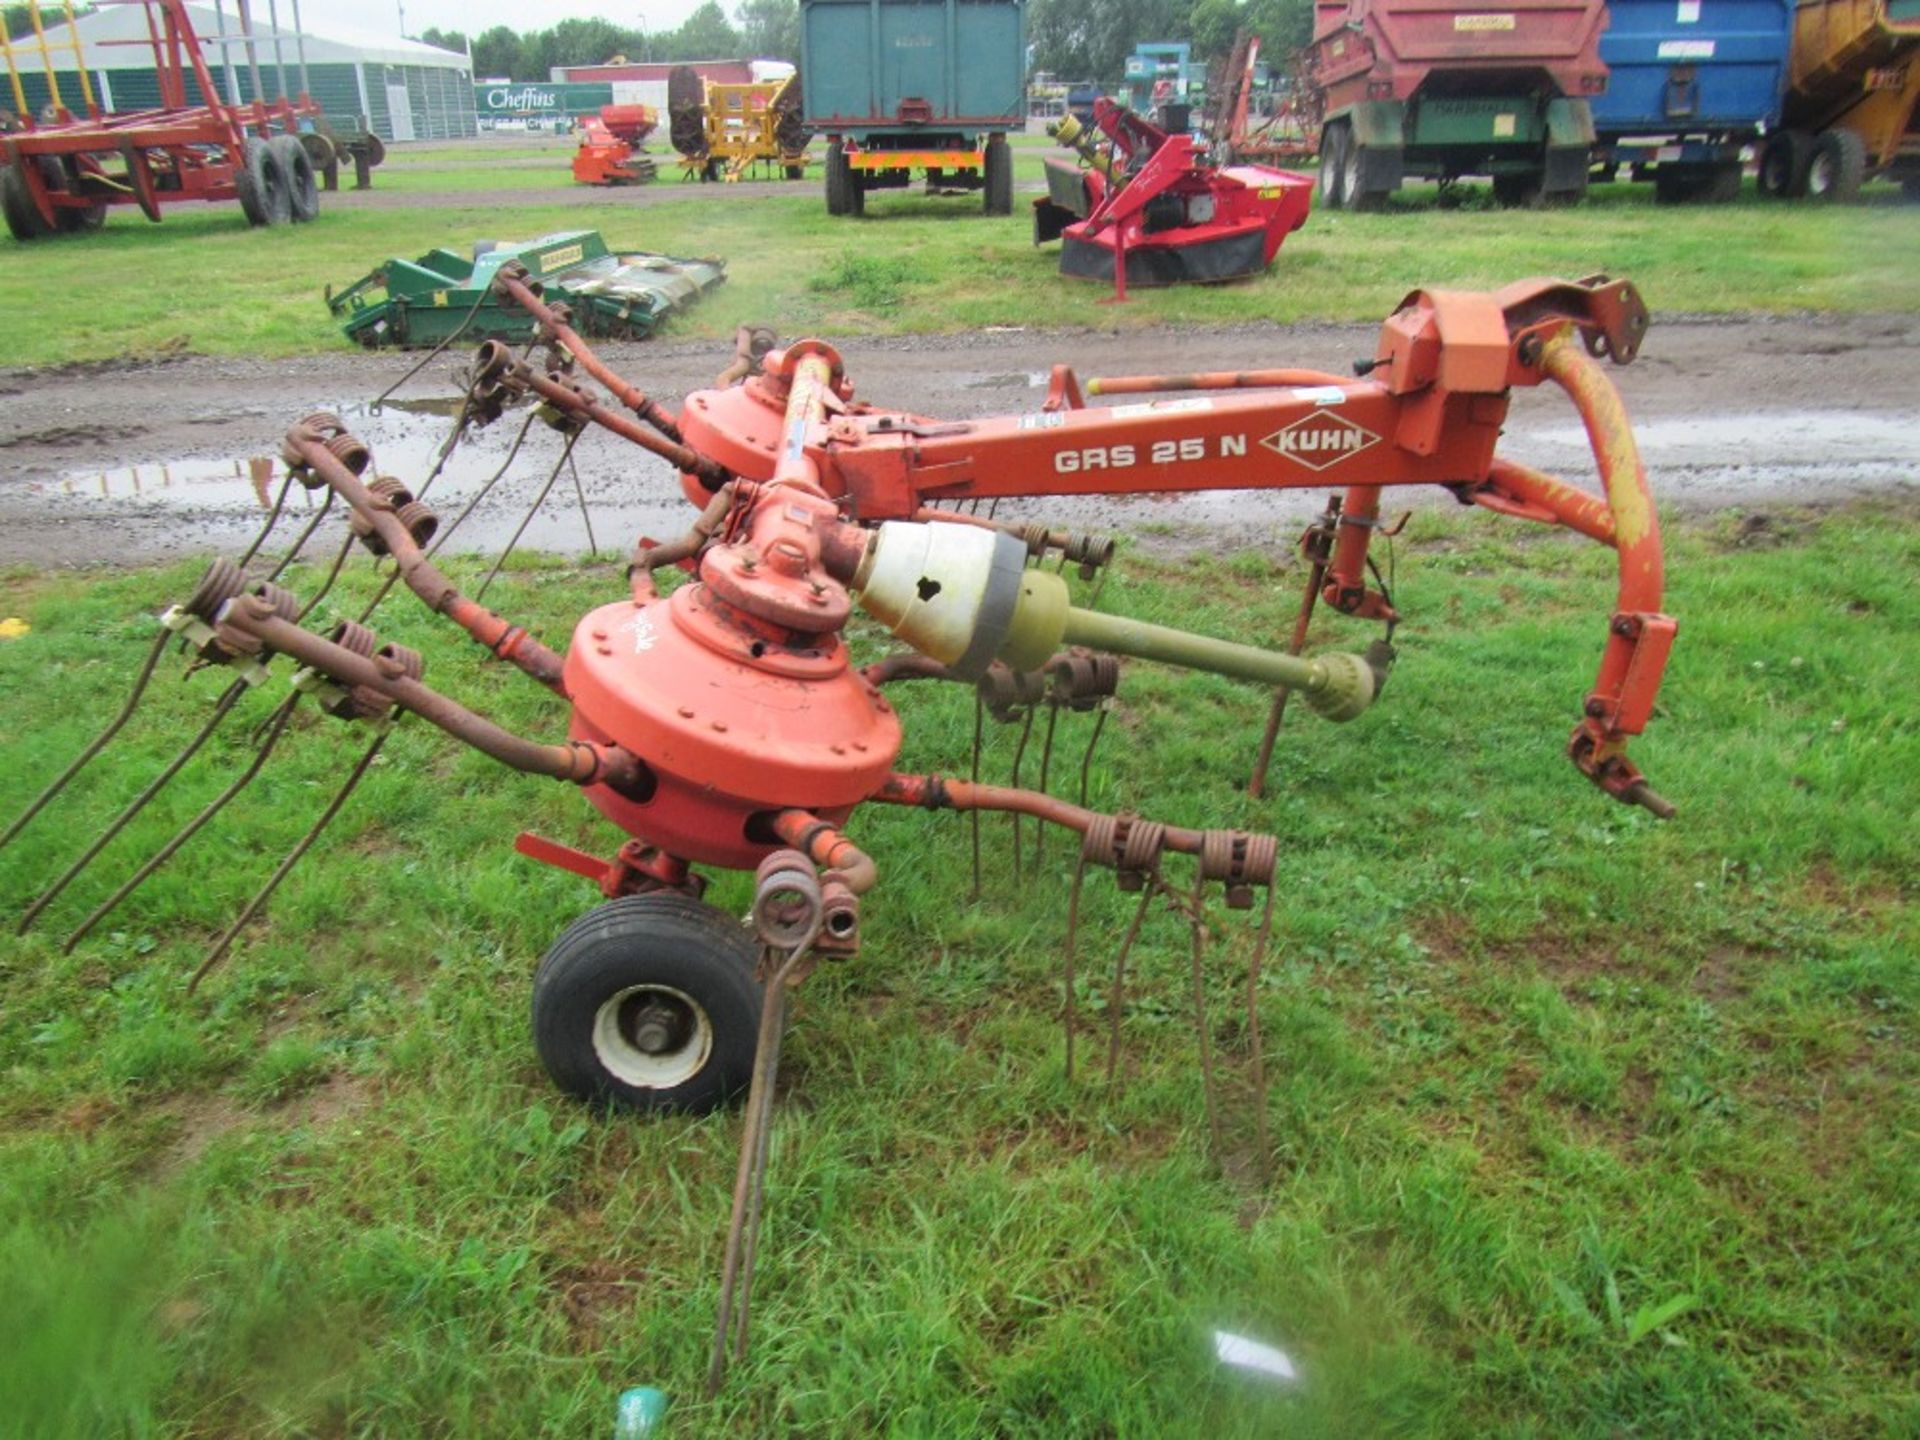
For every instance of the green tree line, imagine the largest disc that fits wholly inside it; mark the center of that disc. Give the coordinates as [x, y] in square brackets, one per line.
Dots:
[759, 30]
[1077, 40]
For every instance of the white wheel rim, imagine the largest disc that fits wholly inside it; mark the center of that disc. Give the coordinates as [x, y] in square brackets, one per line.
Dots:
[636, 1054]
[1819, 175]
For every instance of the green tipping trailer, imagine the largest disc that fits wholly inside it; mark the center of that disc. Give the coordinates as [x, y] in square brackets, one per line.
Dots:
[906, 86]
[419, 303]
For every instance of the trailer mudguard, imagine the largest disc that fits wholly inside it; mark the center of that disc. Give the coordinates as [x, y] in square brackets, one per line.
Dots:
[1379, 129]
[1570, 141]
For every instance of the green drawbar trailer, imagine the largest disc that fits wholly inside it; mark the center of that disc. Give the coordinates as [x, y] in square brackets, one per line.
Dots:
[899, 86]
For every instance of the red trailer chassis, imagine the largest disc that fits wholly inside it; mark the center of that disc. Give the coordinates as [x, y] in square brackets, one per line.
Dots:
[63, 171]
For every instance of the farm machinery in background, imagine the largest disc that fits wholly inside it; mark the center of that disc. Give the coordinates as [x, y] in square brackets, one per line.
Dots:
[900, 90]
[731, 132]
[1149, 208]
[610, 142]
[426, 302]
[724, 724]
[61, 172]
[1256, 121]
[1407, 88]
[1852, 98]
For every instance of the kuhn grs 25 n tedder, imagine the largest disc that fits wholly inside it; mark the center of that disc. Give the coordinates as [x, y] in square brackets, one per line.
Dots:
[723, 725]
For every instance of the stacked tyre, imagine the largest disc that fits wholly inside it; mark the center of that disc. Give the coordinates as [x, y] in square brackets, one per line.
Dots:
[275, 182]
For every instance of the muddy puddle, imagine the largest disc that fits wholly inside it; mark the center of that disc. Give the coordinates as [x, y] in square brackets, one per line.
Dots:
[606, 487]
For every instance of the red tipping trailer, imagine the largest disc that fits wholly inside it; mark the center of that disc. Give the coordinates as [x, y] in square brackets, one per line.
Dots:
[1433, 89]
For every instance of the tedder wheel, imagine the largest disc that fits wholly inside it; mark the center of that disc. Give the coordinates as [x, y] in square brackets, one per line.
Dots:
[999, 176]
[303, 194]
[261, 186]
[16, 204]
[1839, 167]
[1783, 164]
[649, 1003]
[836, 179]
[1334, 144]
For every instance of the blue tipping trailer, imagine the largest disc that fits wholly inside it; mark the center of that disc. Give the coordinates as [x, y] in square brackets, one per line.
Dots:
[899, 86]
[1689, 83]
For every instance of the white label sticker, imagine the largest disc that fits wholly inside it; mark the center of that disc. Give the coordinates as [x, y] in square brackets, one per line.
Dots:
[1503, 126]
[1686, 49]
[1688, 13]
[1044, 420]
[1482, 23]
[1320, 395]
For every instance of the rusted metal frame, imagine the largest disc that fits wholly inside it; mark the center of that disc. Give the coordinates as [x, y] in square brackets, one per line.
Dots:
[581, 762]
[649, 555]
[1296, 643]
[940, 792]
[710, 472]
[510, 283]
[1526, 494]
[826, 846]
[1209, 380]
[510, 642]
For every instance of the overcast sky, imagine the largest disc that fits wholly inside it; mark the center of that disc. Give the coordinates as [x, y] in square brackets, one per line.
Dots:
[473, 16]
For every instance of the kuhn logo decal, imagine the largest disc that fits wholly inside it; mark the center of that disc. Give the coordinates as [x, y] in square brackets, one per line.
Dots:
[1320, 440]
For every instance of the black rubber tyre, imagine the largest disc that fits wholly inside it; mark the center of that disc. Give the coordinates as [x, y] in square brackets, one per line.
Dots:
[796, 172]
[999, 188]
[68, 177]
[836, 179]
[1524, 191]
[1353, 177]
[16, 205]
[649, 1003]
[856, 193]
[1335, 142]
[1910, 189]
[1838, 168]
[1574, 194]
[1783, 164]
[261, 186]
[1680, 185]
[303, 192]
[1723, 187]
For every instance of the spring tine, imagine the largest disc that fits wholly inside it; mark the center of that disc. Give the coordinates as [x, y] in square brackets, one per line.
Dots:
[973, 816]
[1197, 924]
[481, 494]
[527, 519]
[447, 447]
[380, 595]
[749, 1184]
[221, 945]
[1073, 940]
[1118, 994]
[1046, 764]
[273, 519]
[1086, 759]
[437, 350]
[79, 762]
[1254, 967]
[333, 574]
[220, 710]
[300, 540]
[1316, 573]
[276, 723]
[1019, 756]
[586, 518]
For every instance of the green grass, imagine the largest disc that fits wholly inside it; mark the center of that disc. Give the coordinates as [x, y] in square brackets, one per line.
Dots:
[201, 282]
[1583, 1124]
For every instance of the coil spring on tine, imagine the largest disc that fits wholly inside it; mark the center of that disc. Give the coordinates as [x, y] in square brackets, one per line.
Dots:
[1035, 537]
[1240, 860]
[1127, 844]
[787, 899]
[421, 523]
[221, 583]
[1082, 681]
[285, 604]
[404, 659]
[490, 362]
[352, 635]
[391, 491]
[351, 452]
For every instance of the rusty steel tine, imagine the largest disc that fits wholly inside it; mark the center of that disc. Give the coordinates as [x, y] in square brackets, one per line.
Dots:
[1197, 925]
[437, 351]
[273, 519]
[527, 519]
[1046, 765]
[300, 540]
[586, 518]
[1086, 759]
[750, 1175]
[276, 723]
[447, 447]
[333, 574]
[484, 490]
[973, 817]
[380, 595]
[1118, 994]
[221, 708]
[221, 946]
[1019, 758]
[1254, 966]
[99, 743]
[1069, 1007]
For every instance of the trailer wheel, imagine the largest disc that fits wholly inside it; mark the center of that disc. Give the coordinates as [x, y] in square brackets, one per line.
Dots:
[1839, 167]
[1783, 164]
[261, 186]
[837, 169]
[16, 204]
[73, 177]
[649, 1002]
[303, 194]
[999, 193]
[796, 172]
[1524, 191]
[1334, 144]
[1910, 189]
